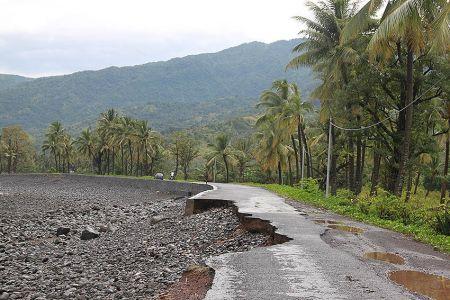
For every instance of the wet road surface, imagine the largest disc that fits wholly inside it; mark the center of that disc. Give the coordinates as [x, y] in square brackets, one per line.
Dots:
[324, 260]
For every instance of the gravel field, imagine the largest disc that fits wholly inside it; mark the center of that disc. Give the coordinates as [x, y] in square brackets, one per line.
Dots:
[136, 241]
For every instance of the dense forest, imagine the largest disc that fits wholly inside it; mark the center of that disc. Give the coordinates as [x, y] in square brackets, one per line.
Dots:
[379, 141]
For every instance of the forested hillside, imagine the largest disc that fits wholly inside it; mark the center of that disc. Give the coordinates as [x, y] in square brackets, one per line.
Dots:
[179, 93]
[7, 81]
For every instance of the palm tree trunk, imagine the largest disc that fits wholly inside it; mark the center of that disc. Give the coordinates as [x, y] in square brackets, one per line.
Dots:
[358, 173]
[406, 141]
[9, 164]
[280, 178]
[177, 162]
[56, 161]
[297, 170]
[151, 165]
[108, 161]
[145, 160]
[130, 151]
[122, 158]
[416, 183]
[138, 161]
[351, 163]
[99, 162]
[68, 162]
[113, 161]
[302, 135]
[408, 185]
[290, 170]
[226, 167]
[445, 172]
[185, 167]
[375, 170]
[333, 167]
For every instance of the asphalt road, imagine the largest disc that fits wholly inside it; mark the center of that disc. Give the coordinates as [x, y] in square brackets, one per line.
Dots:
[319, 262]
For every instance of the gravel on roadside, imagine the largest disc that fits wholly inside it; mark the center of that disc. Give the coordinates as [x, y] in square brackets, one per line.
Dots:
[136, 241]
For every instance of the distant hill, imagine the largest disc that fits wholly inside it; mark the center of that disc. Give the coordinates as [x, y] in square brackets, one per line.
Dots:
[7, 81]
[191, 91]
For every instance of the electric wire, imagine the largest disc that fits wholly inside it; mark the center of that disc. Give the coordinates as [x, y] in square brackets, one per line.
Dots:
[387, 118]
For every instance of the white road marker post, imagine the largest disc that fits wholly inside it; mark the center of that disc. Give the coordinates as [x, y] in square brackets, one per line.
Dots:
[327, 189]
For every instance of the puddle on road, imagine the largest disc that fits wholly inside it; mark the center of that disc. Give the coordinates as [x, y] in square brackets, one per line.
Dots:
[351, 229]
[385, 256]
[433, 286]
[319, 221]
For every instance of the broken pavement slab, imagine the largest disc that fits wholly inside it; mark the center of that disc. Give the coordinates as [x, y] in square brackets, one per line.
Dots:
[304, 267]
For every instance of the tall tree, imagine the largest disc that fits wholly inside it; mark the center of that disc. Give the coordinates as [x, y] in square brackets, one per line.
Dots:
[222, 150]
[418, 26]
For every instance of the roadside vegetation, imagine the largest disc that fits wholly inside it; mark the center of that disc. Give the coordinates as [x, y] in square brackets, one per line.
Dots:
[424, 218]
[382, 108]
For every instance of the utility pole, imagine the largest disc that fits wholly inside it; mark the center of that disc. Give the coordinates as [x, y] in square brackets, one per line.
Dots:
[327, 189]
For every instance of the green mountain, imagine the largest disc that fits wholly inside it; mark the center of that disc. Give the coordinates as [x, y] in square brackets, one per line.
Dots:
[7, 81]
[183, 92]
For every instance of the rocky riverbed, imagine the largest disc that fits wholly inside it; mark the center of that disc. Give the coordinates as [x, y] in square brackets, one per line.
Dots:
[80, 237]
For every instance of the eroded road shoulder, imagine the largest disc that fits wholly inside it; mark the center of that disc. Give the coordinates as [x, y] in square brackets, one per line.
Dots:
[324, 260]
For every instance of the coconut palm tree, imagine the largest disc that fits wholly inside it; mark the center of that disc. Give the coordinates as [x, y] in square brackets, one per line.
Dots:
[243, 149]
[125, 137]
[323, 51]
[293, 114]
[409, 24]
[67, 149]
[52, 142]
[272, 152]
[105, 128]
[86, 144]
[144, 138]
[222, 150]
[283, 102]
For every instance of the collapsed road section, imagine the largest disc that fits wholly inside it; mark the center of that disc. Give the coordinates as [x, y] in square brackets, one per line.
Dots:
[312, 259]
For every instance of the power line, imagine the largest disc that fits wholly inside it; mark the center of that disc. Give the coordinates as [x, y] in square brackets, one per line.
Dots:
[387, 118]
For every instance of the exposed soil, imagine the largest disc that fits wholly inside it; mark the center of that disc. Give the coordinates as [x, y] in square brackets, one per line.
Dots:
[193, 285]
[141, 241]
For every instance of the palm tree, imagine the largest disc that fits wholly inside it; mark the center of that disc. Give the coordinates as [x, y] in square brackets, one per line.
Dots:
[272, 152]
[67, 149]
[222, 150]
[322, 49]
[86, 145]
[284, 103]
[413, 24]
[125, 138]
[325, 53]
[144, 138]
[243, 150]
[52, 142]
[106, 130]
[293, 115]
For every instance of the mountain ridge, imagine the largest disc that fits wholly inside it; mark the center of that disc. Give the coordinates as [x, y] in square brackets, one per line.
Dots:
[210, 87]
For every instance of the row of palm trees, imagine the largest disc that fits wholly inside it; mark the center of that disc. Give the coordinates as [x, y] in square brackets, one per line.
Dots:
[377, 65]
[281, 132]
[118, 145]
[374, 63]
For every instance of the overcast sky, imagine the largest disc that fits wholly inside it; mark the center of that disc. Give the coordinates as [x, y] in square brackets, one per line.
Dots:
[49, 37]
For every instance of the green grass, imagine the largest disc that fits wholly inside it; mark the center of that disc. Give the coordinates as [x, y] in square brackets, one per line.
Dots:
[343, 206]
